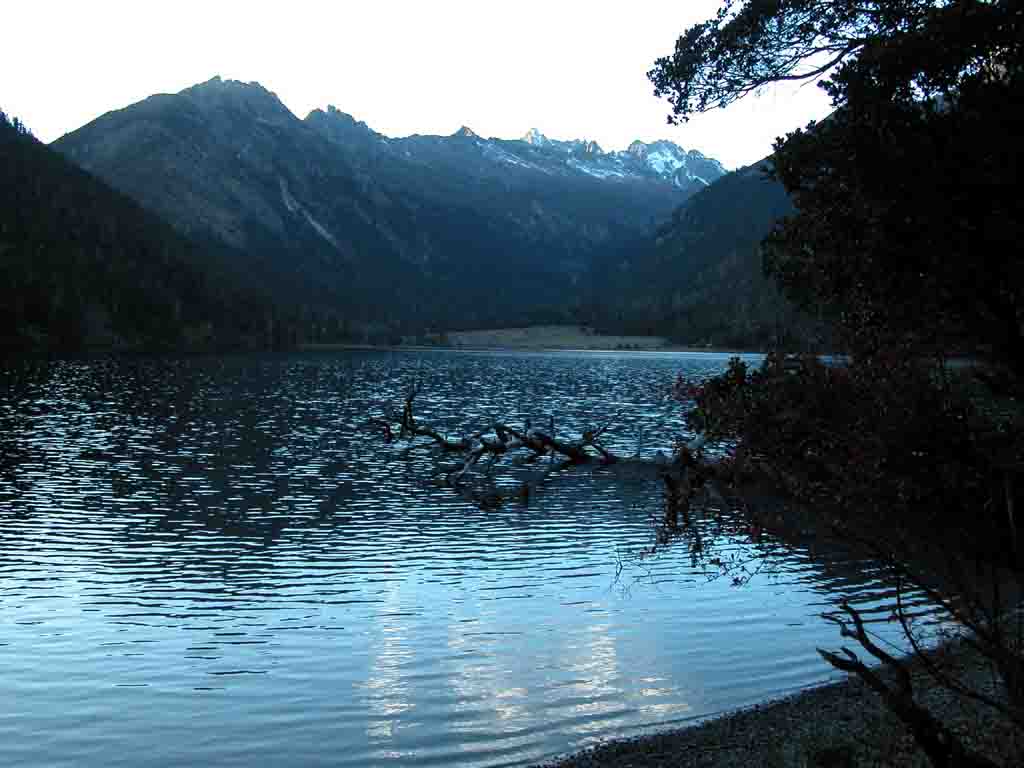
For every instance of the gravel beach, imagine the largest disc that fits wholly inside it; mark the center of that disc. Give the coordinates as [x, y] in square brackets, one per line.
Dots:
[841, 725]
[835, 726]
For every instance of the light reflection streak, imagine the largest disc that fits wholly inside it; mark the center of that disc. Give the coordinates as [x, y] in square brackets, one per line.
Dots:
[210, 520]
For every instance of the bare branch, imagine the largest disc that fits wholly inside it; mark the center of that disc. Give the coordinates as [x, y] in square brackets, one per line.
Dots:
[495, 442]
[943, 747]
[948, 681]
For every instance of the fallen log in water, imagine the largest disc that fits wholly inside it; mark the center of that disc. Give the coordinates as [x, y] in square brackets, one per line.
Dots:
[531, 444]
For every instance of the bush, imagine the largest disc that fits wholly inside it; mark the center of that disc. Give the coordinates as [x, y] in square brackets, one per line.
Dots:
[896, 439]
[888, 435]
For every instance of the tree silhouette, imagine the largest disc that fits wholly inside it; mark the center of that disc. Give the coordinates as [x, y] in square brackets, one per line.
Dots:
[907, 210]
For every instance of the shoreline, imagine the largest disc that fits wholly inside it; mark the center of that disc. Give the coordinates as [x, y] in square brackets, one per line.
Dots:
[538, 338]
[671, 349]
[842, 724]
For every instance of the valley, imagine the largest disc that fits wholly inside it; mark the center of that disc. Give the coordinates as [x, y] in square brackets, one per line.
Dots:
[344, 235]
[369, 235]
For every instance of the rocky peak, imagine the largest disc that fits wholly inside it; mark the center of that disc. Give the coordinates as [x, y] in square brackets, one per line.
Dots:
[252, 98]
[664, 145]
[466, 133]
[337, 114]
[638, 148]
[340, 126]
[536, 138]
[338, 118]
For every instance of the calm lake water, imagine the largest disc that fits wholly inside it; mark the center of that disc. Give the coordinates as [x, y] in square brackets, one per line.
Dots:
[211, 562]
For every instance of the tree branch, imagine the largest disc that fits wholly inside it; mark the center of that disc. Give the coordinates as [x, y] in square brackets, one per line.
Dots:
[943, 747]
[496, 442]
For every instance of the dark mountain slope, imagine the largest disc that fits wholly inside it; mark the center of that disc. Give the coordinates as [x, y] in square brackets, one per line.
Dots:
[83, 264]
[700, 279]
[229, 163]
[630, 187]
[450, 231]
[565, 200]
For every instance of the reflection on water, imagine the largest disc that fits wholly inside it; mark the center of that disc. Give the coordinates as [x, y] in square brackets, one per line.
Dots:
[210, 561]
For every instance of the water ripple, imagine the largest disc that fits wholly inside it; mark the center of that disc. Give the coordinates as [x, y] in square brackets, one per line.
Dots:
[205, 559]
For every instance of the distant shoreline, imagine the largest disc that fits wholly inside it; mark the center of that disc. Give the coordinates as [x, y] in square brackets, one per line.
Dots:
[536, 338]
[343, 346]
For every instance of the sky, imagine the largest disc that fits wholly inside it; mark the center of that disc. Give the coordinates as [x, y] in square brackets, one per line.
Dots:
[571, 69]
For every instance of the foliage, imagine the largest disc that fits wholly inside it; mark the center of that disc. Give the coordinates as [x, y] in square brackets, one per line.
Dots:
[752, 43]
[908, 216]
[15, 123]
[893, 451]
[906, 234]
[893, 436]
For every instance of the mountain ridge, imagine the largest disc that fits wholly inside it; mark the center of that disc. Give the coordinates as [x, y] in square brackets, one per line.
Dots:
[661, 157]
[356, 226]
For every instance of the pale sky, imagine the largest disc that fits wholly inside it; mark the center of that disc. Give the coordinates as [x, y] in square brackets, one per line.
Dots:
[571, 69]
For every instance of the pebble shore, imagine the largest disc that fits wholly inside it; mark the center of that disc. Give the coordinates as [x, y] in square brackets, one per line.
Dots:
[843, 725]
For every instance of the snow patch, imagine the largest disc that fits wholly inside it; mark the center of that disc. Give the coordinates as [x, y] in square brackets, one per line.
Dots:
[496, 153]
[664, 163]
[321, 230]
[293, 206]
[289, 202]
[535, 137]
[599, 173]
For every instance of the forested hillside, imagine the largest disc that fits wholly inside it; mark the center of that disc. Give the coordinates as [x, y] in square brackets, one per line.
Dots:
[700, 280]
[81, 264]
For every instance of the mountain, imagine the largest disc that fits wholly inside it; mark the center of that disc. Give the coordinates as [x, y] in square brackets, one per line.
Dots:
[535, 157]
[361, 230]
[231, 165]
[82, 264]
[687, 170]
[699, 278]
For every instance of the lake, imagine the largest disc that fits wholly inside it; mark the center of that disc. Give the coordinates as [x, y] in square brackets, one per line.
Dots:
[212, 561]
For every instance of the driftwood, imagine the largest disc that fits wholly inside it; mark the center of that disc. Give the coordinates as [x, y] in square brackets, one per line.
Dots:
[532, 443]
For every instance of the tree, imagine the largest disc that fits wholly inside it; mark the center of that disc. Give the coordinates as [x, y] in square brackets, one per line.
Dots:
[14, 122]
[908, 215]
[906, 233]
[887, 466]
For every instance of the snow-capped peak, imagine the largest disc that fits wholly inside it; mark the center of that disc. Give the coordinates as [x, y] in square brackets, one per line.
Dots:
[535, 137]
[659, 161]
[665, 157]
[638, 148]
